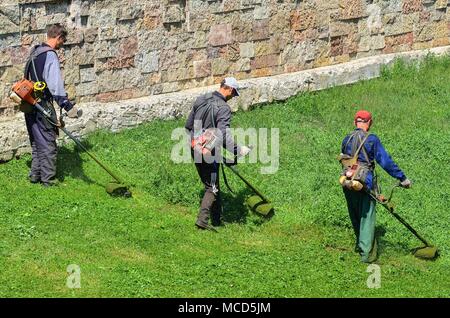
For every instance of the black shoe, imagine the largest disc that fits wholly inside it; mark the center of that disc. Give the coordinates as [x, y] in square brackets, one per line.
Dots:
[203, 226]
[50, 183]
[34, 179]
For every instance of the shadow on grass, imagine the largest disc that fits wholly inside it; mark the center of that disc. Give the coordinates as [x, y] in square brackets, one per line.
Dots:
[70, 163]
[384, 244]
[236, 210]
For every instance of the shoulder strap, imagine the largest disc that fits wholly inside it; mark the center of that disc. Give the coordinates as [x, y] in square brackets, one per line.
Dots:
[213, 119]
[353, 138]
[350, 138]
[361, 147]
[35, 52]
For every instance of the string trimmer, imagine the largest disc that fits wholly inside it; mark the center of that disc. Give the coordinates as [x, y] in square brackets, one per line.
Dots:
[23, 92]
[117, 188]
[257, 203]
[426, 252]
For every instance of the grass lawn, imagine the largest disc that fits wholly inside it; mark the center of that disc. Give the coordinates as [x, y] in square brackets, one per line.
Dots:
[148, 246]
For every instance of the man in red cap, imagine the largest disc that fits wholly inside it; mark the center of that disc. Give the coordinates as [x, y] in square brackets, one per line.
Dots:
[361, 206]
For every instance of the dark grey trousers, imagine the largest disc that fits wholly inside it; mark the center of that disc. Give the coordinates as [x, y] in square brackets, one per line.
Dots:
[43, 144]
[211, 205]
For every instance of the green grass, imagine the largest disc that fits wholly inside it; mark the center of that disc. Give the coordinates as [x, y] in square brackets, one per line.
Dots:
[148, 246]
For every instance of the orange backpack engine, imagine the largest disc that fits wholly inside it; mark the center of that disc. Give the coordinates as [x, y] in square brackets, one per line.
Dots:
[23, 91]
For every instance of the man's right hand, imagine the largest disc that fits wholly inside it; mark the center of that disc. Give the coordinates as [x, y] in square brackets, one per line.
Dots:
[406, 184]
[244, 151]
[74, 112]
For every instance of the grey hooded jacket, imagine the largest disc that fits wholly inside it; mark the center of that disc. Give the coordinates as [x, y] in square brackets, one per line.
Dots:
[201, 112]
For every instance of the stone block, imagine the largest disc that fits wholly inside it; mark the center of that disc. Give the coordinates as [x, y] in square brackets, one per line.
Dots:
[106, 17]
[56, 18]
[279, 23]
[402, 41]
[71, 75]
[173, 14]
[168, 59]
[202, 68]
[12, 74]
[34, 18]
[261, 30]
[5, 57]
[265, 61]
[90, 35]
[107, 33]
[150, 22]
[219, 66]
[86, 54]
[130, 12]
[128, 46]
[19, 55]
[148, 62]
[74, 36]
[232, 52]
[339, 28]
[85, 89]
[247, 49]
[10, 40]
[243, 31]
[352, 9]
[303, 19]
[351, 43]
[87, 74]
[261, 12]
[9, 19]
[337, 46]
[441, 4]
[395, 24]
[231, 5]
[105, 49]
[326, 5]
[200, 40]
[441, 42]
[242, 65]
[411, 6]
[109, 81]
[220, 34]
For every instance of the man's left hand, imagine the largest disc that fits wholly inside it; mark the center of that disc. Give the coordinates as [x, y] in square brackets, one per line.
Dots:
[74, 112]
[406, 184]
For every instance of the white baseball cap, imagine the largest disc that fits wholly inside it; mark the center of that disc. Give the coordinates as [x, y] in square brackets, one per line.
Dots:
[232, 82]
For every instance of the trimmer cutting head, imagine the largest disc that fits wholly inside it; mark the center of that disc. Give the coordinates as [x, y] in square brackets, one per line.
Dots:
[427, 252]
[259, 205]
[118, 190]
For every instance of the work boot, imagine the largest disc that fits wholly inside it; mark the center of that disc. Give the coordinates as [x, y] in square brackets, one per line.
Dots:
[34, 179]
[207, 203]
[203, 226]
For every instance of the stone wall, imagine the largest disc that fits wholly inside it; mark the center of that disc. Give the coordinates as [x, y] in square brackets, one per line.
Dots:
[118, 115]
[126, 49]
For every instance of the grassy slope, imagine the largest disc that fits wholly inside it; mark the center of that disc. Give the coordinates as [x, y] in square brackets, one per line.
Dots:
[148, 246]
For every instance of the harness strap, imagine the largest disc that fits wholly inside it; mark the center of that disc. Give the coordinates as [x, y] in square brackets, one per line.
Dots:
[37, 50]
[352, 138]
[226, 180]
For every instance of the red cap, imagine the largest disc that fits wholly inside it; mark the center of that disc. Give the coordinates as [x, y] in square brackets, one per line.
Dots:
[364, 115]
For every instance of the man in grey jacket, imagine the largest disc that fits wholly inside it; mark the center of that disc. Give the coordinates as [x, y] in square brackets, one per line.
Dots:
[212, 111]
[43, 66]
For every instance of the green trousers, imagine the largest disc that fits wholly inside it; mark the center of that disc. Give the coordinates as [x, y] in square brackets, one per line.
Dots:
[361, 209]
